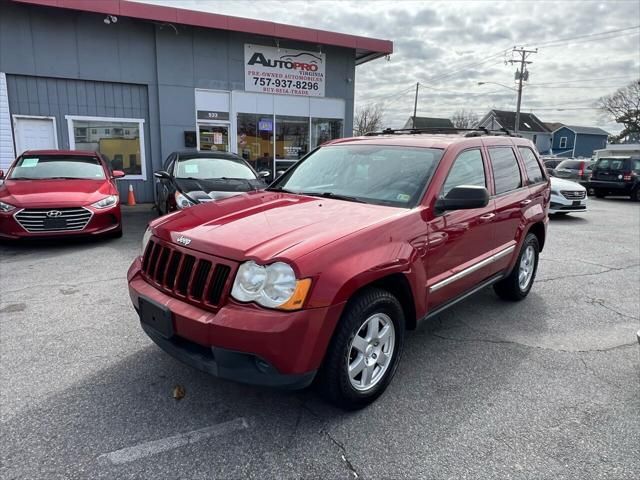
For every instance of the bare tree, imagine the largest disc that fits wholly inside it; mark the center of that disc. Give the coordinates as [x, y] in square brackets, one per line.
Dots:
[624, 107]
[464, 119]
[368, 119]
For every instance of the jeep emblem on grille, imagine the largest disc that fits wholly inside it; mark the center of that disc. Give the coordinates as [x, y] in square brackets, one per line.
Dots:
[54, 213]
[183, 240]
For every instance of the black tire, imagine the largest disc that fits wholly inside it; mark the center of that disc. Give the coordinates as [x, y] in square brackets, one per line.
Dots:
[598, 193]
[635, 194]
[509, 288]
[333, 379]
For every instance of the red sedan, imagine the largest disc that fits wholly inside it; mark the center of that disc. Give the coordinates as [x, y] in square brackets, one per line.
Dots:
[52, 193]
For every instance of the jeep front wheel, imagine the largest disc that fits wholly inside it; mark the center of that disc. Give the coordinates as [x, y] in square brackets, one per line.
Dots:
[364, 351]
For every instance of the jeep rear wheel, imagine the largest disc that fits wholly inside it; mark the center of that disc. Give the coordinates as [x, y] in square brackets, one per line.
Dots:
[364, 351]
[518, 283]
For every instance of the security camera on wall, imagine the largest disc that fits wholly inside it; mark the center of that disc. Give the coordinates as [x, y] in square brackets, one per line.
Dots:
[109, 19]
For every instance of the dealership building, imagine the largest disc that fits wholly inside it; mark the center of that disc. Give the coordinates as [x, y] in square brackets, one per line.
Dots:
[138, 81]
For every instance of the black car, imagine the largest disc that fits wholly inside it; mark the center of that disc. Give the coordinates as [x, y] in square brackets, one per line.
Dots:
[616, 176]
[197, 177]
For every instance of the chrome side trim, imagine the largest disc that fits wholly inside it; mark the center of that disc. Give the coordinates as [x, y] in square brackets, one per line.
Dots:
[471, 269]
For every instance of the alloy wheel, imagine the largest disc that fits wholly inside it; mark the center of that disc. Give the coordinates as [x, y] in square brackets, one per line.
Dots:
[527, 266]
[371, 351]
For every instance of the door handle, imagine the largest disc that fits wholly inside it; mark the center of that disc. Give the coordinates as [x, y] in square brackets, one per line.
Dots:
[525, 202]
[487, 216]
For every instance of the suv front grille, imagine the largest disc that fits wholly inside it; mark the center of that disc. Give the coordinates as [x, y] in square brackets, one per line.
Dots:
[36, 220]
[194, 277]
[573, 195]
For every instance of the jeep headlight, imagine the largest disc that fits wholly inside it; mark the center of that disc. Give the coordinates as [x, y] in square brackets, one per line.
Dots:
[145, 239]
[109, 201]
[272, 286]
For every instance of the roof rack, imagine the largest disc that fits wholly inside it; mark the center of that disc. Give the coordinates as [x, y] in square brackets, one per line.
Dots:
[471, 132]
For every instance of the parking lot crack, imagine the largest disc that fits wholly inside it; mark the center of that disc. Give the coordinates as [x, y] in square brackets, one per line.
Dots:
[601, 302]
[343, 451]
[577, 275]
[511, 342]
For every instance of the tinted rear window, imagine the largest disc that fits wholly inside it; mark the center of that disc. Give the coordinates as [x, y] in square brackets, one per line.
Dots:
[613, 164]
[534, 172]
[571, 164]
[506, 171]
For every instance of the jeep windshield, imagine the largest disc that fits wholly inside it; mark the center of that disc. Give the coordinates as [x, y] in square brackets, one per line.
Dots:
[377, 174]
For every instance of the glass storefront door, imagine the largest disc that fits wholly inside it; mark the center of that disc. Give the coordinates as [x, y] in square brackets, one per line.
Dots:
[292, 140]
[213, 137]
[325, 129]
[255, 140]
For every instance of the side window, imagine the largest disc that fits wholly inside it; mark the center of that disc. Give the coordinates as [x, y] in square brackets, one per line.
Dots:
[467, 170]
[506, 172]
[534, 172]
[636, 165]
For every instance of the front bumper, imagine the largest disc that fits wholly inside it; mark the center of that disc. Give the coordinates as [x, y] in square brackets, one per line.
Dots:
[243, 343]
[102, 221]
[559, 204]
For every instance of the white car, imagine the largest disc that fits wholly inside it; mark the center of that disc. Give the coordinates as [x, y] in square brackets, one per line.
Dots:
[567, 197]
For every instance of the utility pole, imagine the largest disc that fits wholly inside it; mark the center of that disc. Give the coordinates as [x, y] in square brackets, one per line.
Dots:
[415, 106]
[521, 74]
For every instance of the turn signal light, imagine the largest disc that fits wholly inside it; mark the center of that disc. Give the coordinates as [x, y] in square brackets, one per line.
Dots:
[299, 295]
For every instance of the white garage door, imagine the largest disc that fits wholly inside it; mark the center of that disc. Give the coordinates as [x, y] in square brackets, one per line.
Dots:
[34, 133]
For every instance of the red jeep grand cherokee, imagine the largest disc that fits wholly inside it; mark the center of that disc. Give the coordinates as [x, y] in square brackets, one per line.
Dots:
[320, 275]
[52, 193]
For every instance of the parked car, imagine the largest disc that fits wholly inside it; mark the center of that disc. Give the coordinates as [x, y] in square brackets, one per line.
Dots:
[53, 193]
[320, 275]
[616, 176]
[576, 170]
[199, 177]
[567, 197]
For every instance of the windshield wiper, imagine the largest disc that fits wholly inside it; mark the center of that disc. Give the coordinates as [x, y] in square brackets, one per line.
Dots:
[335, 196]
[280, 189]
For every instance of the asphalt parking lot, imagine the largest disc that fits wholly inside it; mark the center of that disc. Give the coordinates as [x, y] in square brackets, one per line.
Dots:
[545, 388]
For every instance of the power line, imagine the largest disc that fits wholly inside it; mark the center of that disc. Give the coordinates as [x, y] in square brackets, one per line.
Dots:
[580, 80]
[587, 35]
[388, 95]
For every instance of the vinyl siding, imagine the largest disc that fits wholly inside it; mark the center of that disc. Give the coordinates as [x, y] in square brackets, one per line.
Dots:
[7, 154]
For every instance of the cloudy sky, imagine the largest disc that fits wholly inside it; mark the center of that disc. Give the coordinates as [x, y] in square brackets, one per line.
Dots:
[451, 46]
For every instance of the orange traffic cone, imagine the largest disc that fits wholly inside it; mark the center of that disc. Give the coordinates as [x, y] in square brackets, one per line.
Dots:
[131, 198]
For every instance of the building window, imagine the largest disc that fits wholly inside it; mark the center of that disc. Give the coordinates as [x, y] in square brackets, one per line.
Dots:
[125, 152]
[563, 142]
[255, 140]
[325, 129]
[291, 139]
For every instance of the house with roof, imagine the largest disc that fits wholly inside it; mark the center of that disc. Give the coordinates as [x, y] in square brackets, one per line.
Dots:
[574, 141]
[428, 122]
[530, 127]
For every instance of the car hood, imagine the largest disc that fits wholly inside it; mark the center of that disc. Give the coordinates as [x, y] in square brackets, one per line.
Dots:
[50, 193]
[264, 226]
[562, 184]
